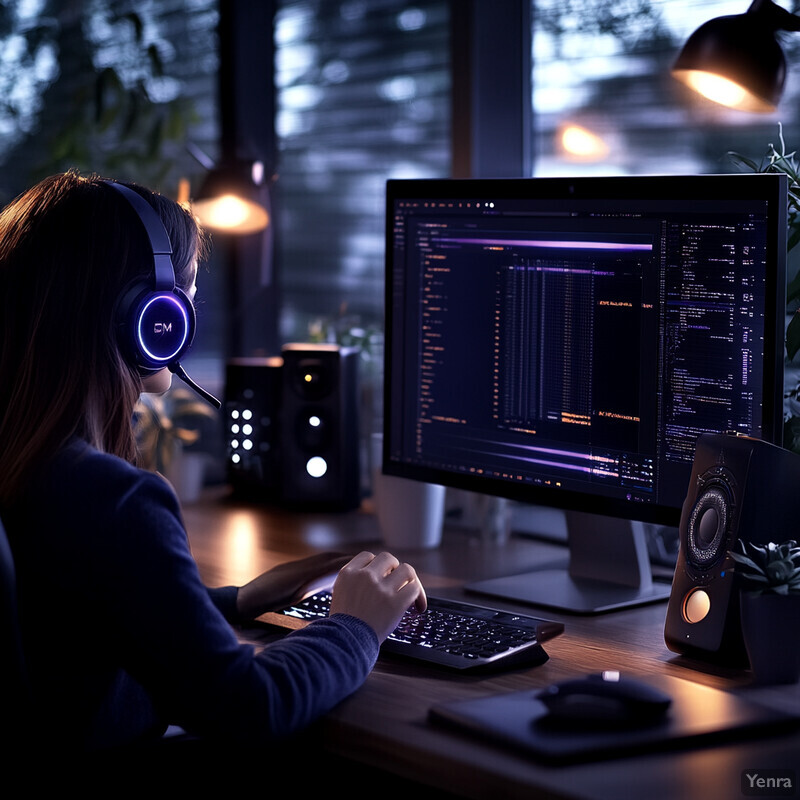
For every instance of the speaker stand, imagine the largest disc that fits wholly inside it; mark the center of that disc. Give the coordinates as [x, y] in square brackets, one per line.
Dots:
[609, 570]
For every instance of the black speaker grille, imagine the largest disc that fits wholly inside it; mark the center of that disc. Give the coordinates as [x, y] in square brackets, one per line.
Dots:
[709, 525]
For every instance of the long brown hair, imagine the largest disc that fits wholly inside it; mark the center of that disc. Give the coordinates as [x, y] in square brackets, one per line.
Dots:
[68, 248]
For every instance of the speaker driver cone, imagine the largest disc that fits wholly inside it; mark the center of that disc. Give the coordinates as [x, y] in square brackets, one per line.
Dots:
[708, 526]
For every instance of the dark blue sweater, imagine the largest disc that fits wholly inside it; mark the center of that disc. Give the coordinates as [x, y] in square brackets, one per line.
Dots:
[121, 636]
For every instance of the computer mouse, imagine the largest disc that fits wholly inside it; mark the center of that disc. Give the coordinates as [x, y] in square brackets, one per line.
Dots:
[606, 699]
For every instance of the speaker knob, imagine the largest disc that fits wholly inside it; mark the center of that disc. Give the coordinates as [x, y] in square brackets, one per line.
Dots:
[313, 379]
[696, 606]
[708, 527]
[313, 431]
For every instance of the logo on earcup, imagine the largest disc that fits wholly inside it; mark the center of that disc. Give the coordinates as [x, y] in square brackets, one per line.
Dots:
[162, 328]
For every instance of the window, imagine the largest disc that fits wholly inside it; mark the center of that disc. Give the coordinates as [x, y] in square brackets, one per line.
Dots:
[116, 87]
[363, 95]
[604, 101]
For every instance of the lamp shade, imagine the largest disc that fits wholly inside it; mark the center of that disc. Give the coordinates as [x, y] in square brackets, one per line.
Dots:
[233, 199]
[736, 61]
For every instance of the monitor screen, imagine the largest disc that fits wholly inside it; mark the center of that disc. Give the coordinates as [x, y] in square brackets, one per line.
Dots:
[565, 341]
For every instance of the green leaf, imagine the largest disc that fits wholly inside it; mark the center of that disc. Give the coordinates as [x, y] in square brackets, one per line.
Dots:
[745, 561]
[155, 139]
[791, 434]
[138, 25]
[133, 113]
[742, 160]
[794, 237]
[793, 336]
[108, 88]
[156, 62]
[784, 164]
[175, 125]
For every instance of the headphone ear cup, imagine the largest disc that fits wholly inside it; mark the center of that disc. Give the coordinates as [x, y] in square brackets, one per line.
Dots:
[156, 328]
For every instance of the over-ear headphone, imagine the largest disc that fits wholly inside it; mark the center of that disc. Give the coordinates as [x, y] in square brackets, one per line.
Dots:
[155, 317]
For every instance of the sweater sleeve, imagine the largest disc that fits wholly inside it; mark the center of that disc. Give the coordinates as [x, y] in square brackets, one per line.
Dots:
[174, 640]
[224, 598]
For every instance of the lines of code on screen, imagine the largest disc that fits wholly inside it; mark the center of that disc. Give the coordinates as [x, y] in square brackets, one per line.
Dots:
[577, 349]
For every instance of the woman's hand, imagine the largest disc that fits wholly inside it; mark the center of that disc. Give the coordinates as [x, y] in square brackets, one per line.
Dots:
[286, 584]
[378, 590]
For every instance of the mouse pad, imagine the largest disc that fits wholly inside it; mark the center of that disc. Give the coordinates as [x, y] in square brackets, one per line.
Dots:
[698, 715]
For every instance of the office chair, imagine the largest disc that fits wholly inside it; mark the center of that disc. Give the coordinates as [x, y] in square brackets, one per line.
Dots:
[14, 687]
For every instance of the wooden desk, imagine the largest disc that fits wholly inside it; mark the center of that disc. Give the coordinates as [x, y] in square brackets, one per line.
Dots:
[384, 725]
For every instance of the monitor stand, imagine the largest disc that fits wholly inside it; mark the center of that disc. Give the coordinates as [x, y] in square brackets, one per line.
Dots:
[609, 569]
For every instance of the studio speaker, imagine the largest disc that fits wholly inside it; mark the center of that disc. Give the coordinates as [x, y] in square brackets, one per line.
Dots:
[319, 426]
[740, 488]
[252, 421]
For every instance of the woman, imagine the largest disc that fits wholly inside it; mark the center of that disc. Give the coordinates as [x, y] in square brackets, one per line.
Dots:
[121, 637]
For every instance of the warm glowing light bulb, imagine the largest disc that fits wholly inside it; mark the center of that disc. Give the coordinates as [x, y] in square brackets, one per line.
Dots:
[579, 142]
[716, 88]
[231, 213]
[723, 90]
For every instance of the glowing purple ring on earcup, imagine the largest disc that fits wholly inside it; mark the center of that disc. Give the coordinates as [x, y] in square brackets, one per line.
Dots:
[154, 327]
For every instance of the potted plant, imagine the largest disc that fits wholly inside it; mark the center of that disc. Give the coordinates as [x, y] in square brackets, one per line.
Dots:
[768, 576]
[165, 426]
[777, 159]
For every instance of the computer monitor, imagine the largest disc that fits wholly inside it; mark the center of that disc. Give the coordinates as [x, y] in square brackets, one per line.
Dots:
[564, 341]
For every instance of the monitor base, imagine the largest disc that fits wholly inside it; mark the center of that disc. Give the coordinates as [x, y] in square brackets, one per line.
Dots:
[556, 589]
[609, 569]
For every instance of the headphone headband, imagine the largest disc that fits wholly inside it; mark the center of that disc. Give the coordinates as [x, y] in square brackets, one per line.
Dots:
[156, 232]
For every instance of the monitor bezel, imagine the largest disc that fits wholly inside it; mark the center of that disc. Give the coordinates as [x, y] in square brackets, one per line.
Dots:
[771, 187]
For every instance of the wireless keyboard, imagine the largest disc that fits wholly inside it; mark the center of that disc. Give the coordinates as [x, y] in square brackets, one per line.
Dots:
[453, 634]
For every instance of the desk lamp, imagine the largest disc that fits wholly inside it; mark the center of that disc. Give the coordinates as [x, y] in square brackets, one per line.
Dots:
[232, 198]
[736, 60]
